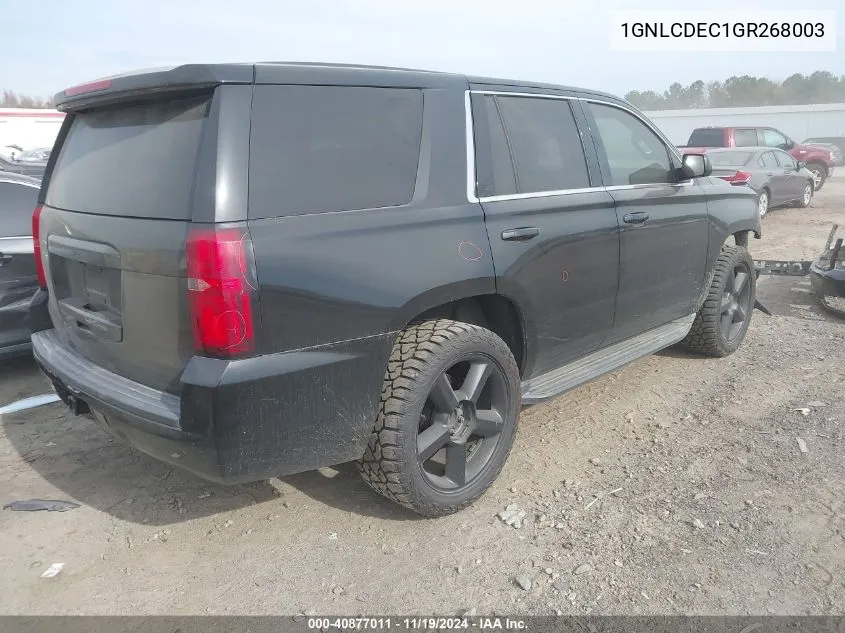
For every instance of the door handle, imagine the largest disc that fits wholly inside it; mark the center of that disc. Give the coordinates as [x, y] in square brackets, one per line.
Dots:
[521, 234]
[635, 218]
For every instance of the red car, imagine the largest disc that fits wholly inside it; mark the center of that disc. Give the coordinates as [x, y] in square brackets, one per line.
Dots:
[818, 160]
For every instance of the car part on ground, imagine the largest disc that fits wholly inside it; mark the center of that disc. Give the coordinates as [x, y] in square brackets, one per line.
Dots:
[243, 320]
[827, 274]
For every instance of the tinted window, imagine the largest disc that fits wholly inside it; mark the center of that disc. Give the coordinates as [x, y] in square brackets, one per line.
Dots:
[729, 158]
[769, 160]
[16, 205]
[784, 159]
[635, 154]
[322, 148]
[707, 137]
[545, 144]
[745, 137]
[773, 139]
[496, 176]
[131, 161]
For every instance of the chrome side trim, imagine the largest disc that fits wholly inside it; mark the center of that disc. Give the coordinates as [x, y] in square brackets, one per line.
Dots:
[539, 194]
[20, 182]
[472, 195]
[21, 245]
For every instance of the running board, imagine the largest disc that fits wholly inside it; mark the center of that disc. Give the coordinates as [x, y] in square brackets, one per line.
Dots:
[574, 374]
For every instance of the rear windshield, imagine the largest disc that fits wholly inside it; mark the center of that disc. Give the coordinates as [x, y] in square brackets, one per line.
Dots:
[135, 161]
[707, 138]
[718, 159]
[315, 149]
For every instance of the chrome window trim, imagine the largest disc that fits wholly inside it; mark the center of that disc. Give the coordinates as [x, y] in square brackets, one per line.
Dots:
[472, 183]
[472, 195]
[539, 194]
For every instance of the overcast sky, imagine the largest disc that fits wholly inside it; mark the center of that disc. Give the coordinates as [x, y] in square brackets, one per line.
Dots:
[50, 46]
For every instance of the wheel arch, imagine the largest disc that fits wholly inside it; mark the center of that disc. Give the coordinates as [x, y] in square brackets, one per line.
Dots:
[495, 312]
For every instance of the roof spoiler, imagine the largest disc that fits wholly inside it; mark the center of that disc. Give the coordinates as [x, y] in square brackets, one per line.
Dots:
[140, 83]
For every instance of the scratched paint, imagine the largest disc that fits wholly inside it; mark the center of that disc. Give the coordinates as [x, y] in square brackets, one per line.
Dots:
[469, 251]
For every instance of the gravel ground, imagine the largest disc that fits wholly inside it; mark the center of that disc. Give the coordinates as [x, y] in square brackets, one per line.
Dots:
[675, 485]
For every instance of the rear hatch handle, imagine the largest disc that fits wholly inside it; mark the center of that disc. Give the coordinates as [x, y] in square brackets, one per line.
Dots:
[101, 323]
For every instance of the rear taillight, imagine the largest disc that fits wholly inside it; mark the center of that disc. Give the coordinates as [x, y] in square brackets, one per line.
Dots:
[221, 287]
[739, 178]
[36, 247]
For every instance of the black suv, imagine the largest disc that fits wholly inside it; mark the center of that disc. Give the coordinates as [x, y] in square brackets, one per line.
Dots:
[254, 270]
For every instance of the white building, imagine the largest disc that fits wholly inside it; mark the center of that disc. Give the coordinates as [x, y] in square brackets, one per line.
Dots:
[28, 128]
[797, 122]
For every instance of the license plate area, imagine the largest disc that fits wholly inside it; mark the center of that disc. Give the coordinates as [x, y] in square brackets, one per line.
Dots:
[87, 284]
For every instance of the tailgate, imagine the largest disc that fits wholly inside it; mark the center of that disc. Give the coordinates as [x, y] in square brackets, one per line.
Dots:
[113, 231]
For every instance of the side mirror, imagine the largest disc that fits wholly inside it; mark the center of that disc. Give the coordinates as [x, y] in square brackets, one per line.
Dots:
[801, 164]
[696, 166]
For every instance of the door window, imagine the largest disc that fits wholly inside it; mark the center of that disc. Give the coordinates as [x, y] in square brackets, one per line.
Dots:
[785, 160]
[543, 142]
[16, 205]
[635, 154]
[772, 138]
[745, 137]
[768, 160]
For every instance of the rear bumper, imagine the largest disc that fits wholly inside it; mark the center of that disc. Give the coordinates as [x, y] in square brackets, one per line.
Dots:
[235, 421]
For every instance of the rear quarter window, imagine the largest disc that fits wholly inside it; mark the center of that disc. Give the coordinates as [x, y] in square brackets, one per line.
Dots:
[316, 149]
[707, 138]
[134, 161]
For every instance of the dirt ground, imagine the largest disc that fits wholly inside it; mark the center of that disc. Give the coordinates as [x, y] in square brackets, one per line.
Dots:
[675, 485]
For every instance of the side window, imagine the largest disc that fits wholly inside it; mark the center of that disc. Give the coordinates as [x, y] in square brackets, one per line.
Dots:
[494, 165]
[635, 154]
[769, 161]
[317, 149]
[544, 143]
[745, 137]
[16, 205]
[771, 138]
[784, 159]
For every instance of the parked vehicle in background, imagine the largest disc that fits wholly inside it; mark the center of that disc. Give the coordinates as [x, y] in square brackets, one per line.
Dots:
[836, 145]
[18, 278]
[38, 155]
[34, 169]
[776, 177]
[320, 269]
[819, 161]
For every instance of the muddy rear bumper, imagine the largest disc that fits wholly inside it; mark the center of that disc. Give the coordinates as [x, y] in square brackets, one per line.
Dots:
[235, 421]
[829, 286]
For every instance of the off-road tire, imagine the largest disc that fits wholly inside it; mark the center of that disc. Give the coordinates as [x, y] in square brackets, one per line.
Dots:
[420, 355]
[706, 337]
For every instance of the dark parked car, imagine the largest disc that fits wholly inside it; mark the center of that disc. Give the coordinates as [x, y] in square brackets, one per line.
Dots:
[818, 160]
[838, 142]
[335, 263]
[776, 177]
[18, 279]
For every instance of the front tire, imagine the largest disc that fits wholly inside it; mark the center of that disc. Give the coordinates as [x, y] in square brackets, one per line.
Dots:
[449, 410]
[722, 322]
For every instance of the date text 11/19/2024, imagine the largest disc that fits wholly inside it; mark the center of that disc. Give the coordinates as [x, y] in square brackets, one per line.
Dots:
[416, 623]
